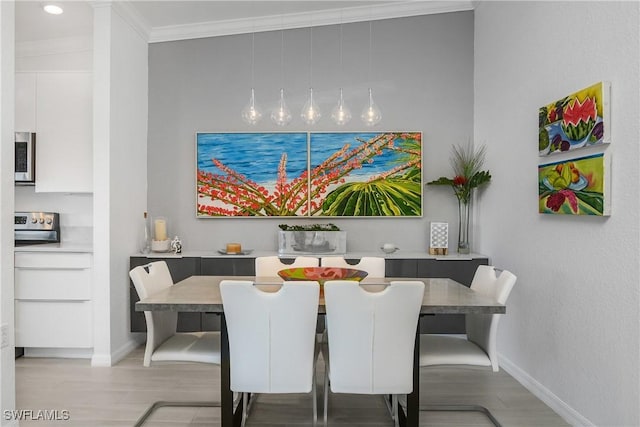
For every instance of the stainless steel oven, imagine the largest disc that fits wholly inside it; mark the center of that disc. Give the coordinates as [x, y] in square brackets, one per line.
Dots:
[25, 167]
[36, 227]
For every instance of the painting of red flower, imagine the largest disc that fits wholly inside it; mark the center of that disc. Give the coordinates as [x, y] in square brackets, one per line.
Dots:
[302, 174]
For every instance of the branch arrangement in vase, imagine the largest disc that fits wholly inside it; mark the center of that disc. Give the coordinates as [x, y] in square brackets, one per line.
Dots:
[467, 164]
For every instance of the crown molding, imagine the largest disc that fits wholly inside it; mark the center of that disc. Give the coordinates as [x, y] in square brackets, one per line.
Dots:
[302, 20]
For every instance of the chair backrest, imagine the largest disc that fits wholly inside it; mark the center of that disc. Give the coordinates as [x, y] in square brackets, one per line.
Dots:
[372, 336]
[482, 329]
[374, 266]
[268, 266]
[150, 279]
[272, 336]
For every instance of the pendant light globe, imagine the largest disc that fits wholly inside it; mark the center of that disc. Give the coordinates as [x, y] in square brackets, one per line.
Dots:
[341, 113]
[251, 113]
[281, 115]
[371, 114]
[310, 111]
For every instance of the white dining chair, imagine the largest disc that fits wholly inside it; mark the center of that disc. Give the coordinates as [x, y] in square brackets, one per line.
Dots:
[164, 344]
[268, 266]
[371, 339]
[479, 346]
[374, 266]
[272, 341]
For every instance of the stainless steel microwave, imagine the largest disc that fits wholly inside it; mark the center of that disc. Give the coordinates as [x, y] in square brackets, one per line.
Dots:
[25, 169]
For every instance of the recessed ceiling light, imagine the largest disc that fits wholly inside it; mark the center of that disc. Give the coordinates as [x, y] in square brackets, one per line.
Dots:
[52, 9]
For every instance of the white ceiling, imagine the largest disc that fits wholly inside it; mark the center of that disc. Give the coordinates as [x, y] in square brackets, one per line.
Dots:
[175, 20]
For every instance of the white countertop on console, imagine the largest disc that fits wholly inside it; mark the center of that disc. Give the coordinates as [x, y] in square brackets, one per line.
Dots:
[349, 255]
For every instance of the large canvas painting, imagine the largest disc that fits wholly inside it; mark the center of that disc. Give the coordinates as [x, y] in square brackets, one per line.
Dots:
[575, 121]
[577, 186]
[317, 174]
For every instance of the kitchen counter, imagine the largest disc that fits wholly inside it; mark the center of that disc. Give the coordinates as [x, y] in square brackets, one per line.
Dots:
[57, 247]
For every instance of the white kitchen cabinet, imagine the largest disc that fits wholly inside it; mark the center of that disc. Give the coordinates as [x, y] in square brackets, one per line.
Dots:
[64, 132]
[53, 304]
[25, 113]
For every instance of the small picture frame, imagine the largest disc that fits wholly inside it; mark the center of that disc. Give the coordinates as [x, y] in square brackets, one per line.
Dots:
[439, 238]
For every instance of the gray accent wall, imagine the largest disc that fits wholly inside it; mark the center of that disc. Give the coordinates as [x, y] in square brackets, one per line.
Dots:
[422, 80]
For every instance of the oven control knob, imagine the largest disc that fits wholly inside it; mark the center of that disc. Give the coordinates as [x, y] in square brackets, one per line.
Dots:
[34, 220]
[49, 221]
[41, 221]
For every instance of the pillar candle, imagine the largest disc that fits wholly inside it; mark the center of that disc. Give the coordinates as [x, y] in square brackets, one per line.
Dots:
[161, 229]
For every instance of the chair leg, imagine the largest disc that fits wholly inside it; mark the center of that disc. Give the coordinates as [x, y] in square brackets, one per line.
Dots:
[462, 408]
[164, 403]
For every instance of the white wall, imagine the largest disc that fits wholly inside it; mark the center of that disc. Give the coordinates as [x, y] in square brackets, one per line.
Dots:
[7, 355]
[120, 172]
[422, 80]
[572, 326]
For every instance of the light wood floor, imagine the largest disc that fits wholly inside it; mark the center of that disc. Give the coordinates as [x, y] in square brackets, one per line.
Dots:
[117, 396]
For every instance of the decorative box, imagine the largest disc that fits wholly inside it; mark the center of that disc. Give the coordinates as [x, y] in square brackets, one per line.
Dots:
[312, 242]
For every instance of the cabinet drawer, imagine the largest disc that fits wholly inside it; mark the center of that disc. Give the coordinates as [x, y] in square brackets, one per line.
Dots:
[52, 260]
[47, 284]
[54, 324]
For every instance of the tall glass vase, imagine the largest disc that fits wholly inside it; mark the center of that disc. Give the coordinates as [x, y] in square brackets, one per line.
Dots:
[464, 212]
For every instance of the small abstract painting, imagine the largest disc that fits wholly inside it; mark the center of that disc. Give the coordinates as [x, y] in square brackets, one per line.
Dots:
[377, 174]
[577, 186]
[575, 121]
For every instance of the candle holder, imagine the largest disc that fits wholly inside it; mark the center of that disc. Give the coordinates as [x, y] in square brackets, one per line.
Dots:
[160, 245]
[160, 241]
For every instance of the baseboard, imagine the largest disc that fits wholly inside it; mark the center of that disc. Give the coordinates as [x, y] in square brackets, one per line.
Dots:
[106, 360]
[66, 353]
[569, 414]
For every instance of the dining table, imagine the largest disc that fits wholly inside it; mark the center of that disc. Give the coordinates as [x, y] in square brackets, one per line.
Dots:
[202, 294]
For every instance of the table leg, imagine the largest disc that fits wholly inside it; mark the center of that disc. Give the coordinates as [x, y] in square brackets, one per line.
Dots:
[412, 417]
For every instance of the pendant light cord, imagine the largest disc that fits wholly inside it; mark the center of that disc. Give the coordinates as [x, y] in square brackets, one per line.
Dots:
[253, 35]
[341, 66]
[370, 49]
[282, 48]
[311, 53]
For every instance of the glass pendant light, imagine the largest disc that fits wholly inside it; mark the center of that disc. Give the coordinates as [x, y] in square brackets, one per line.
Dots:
[281, 114]
[251, 113]
[341, 113]
[310, 111]
[371, 114]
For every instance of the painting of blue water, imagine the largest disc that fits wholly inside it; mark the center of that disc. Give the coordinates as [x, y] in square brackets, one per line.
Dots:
[324, 145]
[254, 155]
